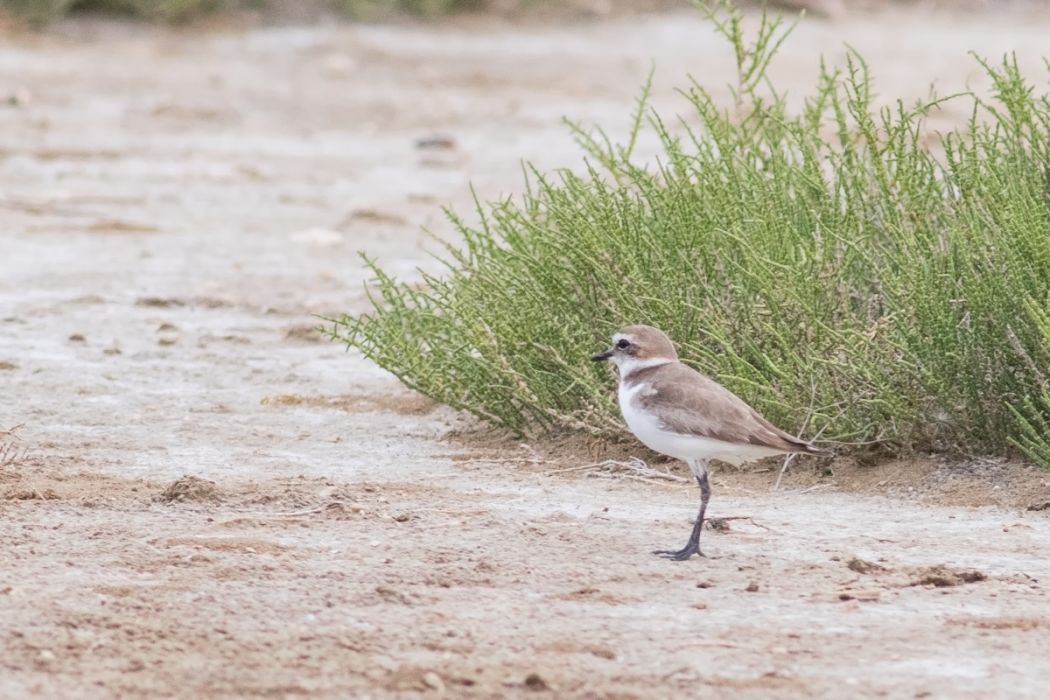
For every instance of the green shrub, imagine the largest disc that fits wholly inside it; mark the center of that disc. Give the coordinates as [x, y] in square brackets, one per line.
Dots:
[38, 11]
[375, 9]
[163, 9]
[828, 264]
[43, 11]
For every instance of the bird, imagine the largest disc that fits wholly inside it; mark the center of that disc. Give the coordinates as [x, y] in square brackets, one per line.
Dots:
[677, 411]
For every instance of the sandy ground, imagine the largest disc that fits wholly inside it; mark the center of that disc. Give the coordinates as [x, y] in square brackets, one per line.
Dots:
[175, 207]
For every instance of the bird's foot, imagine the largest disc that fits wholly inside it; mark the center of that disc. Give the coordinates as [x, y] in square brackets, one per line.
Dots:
[680, 554]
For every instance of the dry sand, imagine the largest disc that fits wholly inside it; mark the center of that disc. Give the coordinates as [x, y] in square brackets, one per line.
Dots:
[215, 502]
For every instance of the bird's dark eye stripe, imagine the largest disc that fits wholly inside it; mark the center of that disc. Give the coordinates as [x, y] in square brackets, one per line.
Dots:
[623, 343]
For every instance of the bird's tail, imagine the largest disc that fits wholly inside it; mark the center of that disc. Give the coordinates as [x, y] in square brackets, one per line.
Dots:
[806, 448]
[809, 448]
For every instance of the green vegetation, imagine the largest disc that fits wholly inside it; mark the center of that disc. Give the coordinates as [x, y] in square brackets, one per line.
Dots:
[373, 9]
[43, 11]
[847, 270]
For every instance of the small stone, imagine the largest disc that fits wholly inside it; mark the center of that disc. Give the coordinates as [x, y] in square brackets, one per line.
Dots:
[534, 681]
[20, 97]
[436, 141]
[433, 680]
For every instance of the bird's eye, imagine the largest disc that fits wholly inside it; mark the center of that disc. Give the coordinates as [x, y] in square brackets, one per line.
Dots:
[623, 344]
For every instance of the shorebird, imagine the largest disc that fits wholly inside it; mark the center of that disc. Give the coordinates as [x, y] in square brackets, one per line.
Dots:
[679, 412]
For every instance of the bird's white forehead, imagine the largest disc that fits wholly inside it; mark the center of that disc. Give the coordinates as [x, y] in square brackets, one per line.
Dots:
[617, 337]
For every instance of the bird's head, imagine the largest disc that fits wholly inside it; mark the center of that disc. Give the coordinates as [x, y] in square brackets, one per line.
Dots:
[636, 347]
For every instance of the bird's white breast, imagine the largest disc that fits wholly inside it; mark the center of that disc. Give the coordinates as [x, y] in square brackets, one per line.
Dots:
[648, 428]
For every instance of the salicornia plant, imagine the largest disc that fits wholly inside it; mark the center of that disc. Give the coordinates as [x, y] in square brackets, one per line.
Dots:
[840, 266]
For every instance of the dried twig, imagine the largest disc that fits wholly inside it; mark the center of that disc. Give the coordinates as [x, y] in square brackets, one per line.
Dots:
[10, 453]
[783, 469]
[353, 507]
[634, 469]
[10, 432]
[577, 468]
[719, 523]
[809, 415]
[814, 487]
[503, 460]
[789, 459]
[632, 477]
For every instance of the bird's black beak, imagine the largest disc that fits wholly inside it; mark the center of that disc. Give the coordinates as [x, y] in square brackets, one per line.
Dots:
[602, 356]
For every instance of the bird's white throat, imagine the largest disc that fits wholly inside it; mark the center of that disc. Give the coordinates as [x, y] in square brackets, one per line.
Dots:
[629, 365]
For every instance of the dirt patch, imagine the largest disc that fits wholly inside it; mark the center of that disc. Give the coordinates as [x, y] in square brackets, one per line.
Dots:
[305, 333]
[862, 566]
[1001, 623]
[590, 593]
[932, 480]
[943, 576]
[36, 479]
[23, 494]
[372, 215]
[552, 577]
[120, 226]
[940, 575]
[245, 545]
[405, 403]
[175, 302]
[189, 489]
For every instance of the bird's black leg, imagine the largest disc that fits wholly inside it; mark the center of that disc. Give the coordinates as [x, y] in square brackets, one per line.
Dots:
[693, 545]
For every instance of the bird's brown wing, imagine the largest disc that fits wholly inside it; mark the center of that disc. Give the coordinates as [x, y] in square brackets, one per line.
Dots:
[690, 403]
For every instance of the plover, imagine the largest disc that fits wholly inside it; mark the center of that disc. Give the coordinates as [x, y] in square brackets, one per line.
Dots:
[679, 412]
